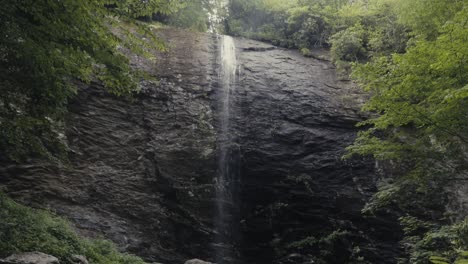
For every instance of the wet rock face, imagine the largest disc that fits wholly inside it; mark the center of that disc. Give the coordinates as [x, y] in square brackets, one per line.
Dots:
[294, 119]
[141, 171]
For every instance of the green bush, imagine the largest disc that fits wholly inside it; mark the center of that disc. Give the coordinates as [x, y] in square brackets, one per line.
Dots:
[24, 229]
[193, 16]
[444, 245]
[347, 45]
[333, 247]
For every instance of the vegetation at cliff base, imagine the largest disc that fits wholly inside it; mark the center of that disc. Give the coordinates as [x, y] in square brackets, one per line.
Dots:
[23, 229]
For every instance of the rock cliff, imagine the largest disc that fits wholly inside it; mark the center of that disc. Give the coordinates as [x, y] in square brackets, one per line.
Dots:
[295, 119]
[142, 170]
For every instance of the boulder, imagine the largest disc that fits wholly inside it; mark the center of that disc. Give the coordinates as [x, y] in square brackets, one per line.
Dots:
[197, 261]
[79, 259]
[30, 258]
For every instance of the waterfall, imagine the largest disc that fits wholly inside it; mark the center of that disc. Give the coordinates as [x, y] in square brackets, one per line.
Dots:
[227, 178]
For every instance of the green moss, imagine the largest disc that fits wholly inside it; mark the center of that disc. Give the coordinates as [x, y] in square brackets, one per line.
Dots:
[24, 229]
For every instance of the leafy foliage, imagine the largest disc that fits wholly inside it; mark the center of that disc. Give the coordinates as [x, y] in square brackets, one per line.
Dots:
[46, 47]
[436, 244]
[420, 101]
[190, 14]
[23, 229]
[348, 44]
[355, 30]
[427, 17]
[298, 24]
[193, 16]
[334, 247]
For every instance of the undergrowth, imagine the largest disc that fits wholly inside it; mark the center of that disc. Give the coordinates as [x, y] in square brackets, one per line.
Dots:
[23, 229]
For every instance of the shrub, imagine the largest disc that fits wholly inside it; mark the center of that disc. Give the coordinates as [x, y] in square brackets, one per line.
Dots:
[24, 229]
[347, 45]
[444, 245]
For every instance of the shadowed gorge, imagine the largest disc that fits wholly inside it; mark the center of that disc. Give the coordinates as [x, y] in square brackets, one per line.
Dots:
[233, 132]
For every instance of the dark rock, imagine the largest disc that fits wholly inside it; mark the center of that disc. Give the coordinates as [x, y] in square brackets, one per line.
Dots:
[294, 118]
[257, 49]
[141, 171]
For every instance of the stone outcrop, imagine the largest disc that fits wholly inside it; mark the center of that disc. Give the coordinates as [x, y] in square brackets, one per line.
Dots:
[30, 258]
[141, 170]
[197, 261]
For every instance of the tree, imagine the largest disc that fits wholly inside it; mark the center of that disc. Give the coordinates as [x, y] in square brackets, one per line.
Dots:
[420, 99]
[48, 45]
[420, 96]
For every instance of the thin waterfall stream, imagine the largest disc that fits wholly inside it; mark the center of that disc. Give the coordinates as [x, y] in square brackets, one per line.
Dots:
[227, 178]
